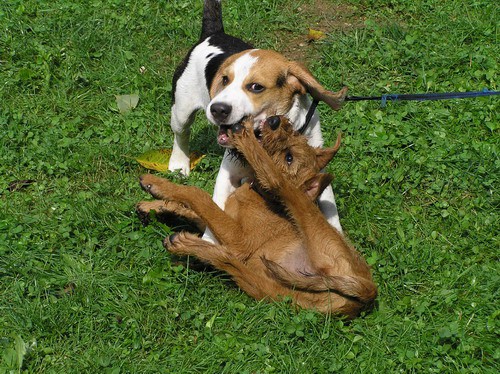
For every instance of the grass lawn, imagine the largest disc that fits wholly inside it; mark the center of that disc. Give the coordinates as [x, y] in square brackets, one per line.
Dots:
[85, 288]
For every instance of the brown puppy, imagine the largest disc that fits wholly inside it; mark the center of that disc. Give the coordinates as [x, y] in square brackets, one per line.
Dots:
[274, 240]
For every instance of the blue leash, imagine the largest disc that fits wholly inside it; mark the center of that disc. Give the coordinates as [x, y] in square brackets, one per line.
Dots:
[395, 97]
[425, 96]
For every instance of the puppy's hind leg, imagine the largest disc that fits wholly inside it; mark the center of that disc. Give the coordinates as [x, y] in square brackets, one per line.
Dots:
[191, 245]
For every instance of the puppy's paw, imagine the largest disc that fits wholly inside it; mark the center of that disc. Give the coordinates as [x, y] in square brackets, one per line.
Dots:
[183, 243]
[144, 208]
[158, 187]
[244, 127]
[170, 240]
[142, 212]
[146, 181]
[238, 128]
[173, 243]
[241, 134]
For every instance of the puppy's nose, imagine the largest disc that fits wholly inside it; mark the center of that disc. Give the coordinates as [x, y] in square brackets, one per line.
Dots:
[273, 122]
[220, 111]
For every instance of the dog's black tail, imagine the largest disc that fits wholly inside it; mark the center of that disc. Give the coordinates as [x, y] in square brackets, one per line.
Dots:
[212, 18]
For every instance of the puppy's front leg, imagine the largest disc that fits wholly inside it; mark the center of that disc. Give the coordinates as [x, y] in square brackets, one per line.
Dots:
[165, 207]
[266, 172]
[226, 229]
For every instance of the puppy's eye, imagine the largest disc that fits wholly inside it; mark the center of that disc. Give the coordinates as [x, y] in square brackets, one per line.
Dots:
[225, 80]
[288, 158]
[255, 87]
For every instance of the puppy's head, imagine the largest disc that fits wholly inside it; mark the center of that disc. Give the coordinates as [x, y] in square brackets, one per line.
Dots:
[294, 157]
[261, 83]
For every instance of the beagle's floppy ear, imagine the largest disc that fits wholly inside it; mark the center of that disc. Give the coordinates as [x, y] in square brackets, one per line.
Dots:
[325, 155]
[308, 83]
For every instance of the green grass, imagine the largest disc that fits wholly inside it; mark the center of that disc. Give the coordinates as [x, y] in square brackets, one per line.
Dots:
[84, 288]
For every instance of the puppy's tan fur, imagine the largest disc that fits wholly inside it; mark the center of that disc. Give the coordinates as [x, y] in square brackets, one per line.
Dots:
[274, 240]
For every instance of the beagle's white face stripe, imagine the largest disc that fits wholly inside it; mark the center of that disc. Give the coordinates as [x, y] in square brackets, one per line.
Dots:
[235, 93]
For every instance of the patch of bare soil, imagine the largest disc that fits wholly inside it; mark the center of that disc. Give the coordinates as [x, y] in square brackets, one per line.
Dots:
[326, 16]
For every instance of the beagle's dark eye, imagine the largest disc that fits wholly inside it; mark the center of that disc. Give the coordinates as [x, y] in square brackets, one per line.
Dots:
[225, 80]
[255, 87]
[288, 158]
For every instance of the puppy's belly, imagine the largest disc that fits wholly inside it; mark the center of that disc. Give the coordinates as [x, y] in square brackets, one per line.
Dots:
[294, 258]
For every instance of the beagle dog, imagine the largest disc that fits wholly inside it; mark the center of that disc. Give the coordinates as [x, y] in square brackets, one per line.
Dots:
[231, 80]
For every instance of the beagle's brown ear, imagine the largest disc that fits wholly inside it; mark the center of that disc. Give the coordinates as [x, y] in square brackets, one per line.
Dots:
[325, 155]
[334, 99]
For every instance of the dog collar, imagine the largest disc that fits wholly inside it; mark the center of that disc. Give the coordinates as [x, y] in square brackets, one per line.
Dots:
[309, 115]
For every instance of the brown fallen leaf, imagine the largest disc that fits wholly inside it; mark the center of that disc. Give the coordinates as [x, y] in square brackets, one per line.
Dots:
[20, 184]
[69, 289]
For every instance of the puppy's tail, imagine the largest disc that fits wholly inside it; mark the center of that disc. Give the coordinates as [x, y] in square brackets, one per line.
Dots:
[360, 289]
[212, 18]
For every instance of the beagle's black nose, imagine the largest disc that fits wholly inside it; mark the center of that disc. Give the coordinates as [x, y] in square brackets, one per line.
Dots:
[220, 111]
[273, 122]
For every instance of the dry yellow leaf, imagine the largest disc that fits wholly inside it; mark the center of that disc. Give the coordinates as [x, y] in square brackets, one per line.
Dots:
[194, 159]
[158, 159]
[315, 34]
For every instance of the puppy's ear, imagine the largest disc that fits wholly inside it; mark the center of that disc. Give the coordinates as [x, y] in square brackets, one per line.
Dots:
[307, 82]
[315, 186]
[325, 155]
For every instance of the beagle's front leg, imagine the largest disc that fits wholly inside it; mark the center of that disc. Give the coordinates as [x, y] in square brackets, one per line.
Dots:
[231, 172]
